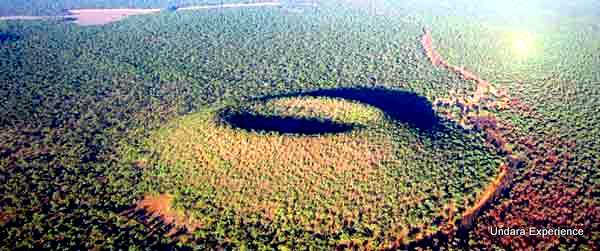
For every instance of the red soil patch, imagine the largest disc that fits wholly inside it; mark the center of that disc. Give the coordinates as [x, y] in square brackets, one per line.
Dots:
[5, 217]
[161, 206]
[550, 196]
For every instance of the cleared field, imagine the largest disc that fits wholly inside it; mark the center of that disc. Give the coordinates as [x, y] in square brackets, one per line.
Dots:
[87, 17]
[105, 16]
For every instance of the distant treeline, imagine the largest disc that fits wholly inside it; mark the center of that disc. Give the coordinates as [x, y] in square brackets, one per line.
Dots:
[48, 7]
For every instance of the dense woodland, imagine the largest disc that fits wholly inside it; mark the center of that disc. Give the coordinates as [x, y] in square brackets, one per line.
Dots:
[78, 105]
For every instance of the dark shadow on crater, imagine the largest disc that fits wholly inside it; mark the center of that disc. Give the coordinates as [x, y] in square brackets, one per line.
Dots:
[6, 37]
[284, 125]
[400, 105]
[68, 19]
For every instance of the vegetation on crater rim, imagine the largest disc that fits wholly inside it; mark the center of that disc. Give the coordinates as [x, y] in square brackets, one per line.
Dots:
[374, 185]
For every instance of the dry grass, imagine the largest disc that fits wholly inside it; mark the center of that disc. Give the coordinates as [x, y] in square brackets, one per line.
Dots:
[337, 110]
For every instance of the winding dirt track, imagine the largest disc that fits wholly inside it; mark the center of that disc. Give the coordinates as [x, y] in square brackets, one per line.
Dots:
[545, 195]
[489, 124]
[495, 135]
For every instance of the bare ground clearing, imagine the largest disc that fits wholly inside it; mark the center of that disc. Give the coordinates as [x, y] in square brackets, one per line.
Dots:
[85, 17]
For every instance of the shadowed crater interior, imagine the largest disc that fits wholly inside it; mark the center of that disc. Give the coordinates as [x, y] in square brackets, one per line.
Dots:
[6, 36]
[286, 125]
[399, 105]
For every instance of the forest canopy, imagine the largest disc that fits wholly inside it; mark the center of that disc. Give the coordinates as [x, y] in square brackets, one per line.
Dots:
[110, 135]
